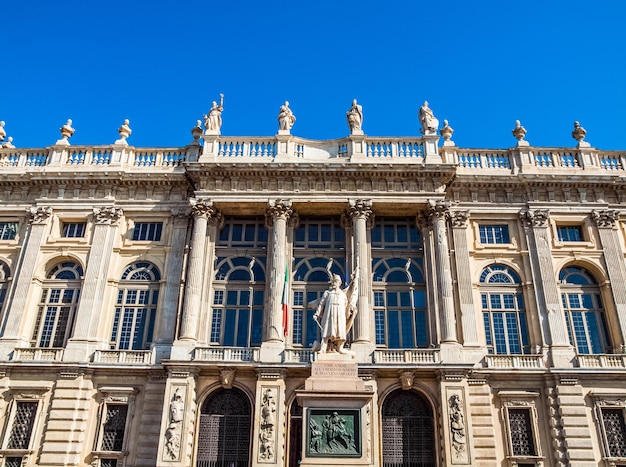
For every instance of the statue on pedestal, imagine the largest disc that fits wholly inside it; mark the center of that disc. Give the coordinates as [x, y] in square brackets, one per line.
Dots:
[213, 121]
[286, 118]
[428, 120]
[335, 314]
[355, 117]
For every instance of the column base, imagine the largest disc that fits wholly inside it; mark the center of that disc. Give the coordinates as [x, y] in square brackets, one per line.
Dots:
[451, 352]
[363, 351]
[562, 357]
[183, 349]
[272, 352]
[81, 350]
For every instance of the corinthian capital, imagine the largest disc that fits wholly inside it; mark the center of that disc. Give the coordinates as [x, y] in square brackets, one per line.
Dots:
[203, 207]
[534, 217]
[360, 209]
[108, 215]
[39, 214]
[605, 219]
[278, 209]
[439, 209]
[459, 219]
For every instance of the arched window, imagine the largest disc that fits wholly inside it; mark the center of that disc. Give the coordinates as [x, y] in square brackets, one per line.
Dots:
[504, 315]
[57, 305]
[238, 298]
[310, 279]
[584, 315]
[224, 430]
[408, 430]
[136, 307]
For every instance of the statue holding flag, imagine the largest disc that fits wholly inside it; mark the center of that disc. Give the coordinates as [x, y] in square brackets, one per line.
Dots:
[335, 313]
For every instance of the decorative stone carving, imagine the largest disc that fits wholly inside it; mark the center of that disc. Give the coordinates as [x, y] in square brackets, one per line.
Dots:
[280, 208]
[108, 215]
[66, 133]
[196, 132]
[39, 214]
[335, 314]
[457, 427]
[8, 143]
[286, 118]
[124, 132]
[333, 433]
[579, 132]
[355, 118]
[519, 131]
[438, 209]
[267, 432]
[535, 217]
[361, 208]
[213, 120]
[203, 207]
[446, 131]
[174, 430]
[3, 133]
[227, 377]
[406, 378]
[429, 123]
[605, 219]
[459, 219]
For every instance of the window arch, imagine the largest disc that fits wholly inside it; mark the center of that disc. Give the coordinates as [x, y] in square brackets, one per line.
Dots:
[400, 303]
[238, 298]
[504, 315]
[584, 314]
[136, 307]
[310, 279]
[57, 305]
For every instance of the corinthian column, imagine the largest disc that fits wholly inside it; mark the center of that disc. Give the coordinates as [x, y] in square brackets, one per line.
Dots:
[94, 285]
[438, 214]
[360, 212]
[14, 335]
[276, 216]
[201, 210]
[606, 221]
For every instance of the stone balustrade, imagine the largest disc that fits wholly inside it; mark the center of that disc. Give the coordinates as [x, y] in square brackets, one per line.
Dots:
[298, 356]
[402, 356]
[515, 361]
[127, 357]
[226, 354]
[602, 361]
[37, 354]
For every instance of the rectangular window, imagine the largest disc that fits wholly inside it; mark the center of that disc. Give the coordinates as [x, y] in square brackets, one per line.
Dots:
[8, 230]
[22, 426]
[614, 431]
[520, 426]
[148, 231]
[243, 232]
[570, 233]
[74, 229]
[113, 427]
[495, 234]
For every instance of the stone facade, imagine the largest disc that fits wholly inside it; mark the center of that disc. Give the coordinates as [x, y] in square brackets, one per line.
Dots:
[156, 303]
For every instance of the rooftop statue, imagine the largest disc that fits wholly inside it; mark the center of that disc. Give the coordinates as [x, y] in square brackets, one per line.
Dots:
[428, 120]
[335, 314]
[446, 132]
[3, 132]
[355, 118]
[286, 118]
[213, 121]
[519, 131]
[8, 143]
[66, 132]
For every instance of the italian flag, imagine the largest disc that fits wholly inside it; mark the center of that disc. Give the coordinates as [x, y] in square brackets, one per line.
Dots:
[285, 301]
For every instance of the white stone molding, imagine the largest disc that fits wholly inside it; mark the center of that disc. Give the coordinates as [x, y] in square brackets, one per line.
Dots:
[535, 217]
[227, 377]
[39, 214]
[107, 215]
[605, 219]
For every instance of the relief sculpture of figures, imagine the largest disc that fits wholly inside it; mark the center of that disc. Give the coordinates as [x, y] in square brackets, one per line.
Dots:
[268, 420]
[331, 434]
[428, 120]
[355, 118]
[335, 314]
[173, 432]
[286, 118]
[213, 121]
[457, 425]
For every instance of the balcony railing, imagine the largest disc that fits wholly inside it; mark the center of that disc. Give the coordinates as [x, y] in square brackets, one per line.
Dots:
[298, 356]
[602, 361]
[37, 354]
[402, 356]
[226, 354]
[126, 357]
[515, 361]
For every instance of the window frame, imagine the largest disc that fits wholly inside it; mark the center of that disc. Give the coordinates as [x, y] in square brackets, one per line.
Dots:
[509, 224]
[521, 400]
[159, 228]
[67, 225]
[113, 396]
[16, 233]
[586, 231]
[604, 401]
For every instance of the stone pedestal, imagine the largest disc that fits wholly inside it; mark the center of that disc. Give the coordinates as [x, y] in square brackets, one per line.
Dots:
[337, 414]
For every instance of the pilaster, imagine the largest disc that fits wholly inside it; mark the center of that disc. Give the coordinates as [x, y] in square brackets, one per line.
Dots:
[84, 340]
[456, 422]
[268, 434]
[14, 332]
[606, 222]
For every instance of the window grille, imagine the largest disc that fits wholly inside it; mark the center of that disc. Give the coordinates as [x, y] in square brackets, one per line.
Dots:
[520, 426]
[13, 462]
[114, 427]
[148, 231]
[615, 431]
[22, 427]
[108, 462]
[8, 230]
[570, 233]
[494, 234]
[74, 229]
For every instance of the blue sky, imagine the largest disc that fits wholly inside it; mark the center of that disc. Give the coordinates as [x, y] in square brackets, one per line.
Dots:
[480, 64]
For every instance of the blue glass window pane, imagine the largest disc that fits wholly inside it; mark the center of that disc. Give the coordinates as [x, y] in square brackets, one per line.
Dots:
[258, 297]
[229, 327]
[311, 328]
[390, 234]
[513, 334]
[296, 328]
[244, 297]
[421, 333]
[393, 332]
[379, 299]
[487, 328]
[376, 236]
[594, 332]
[407, 329]
[485, 303]
[419, 298]
[495, 301]
[579, 332]
[587, 301]
[509, 301]
[379, 319]
[498, 333]
[216, 325]
[397, 276]
[242, 328]
[392, 299]
[257, 327]
[231, 297]
[524, 331]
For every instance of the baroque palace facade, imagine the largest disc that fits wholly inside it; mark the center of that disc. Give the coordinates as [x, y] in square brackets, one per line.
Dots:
[159, 303]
